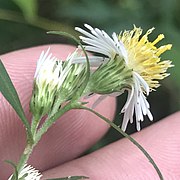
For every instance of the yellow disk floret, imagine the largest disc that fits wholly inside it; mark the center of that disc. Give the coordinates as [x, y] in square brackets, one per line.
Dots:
[144, 56]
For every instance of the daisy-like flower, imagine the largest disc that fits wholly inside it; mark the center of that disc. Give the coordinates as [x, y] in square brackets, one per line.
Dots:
[133, 65]
[28, 173]
[55, 81]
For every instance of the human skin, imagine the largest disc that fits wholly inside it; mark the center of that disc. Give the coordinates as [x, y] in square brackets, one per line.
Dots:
[57, 153]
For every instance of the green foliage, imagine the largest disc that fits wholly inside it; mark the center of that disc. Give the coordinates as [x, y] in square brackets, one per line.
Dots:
[15, 177]
[29, 9]
[9, 92]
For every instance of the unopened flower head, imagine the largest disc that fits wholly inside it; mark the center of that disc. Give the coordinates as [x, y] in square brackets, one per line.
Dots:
[28, 173]
[55, 81]
[142, 67]
[75, 76]
[46, 82]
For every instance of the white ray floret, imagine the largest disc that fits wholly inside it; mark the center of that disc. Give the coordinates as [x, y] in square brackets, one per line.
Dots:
[94, 61]
[28, 173]
[136, 103]
[100, 42]
[50, 70]
[46, 71]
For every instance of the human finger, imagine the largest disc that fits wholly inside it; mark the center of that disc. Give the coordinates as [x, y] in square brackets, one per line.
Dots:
[122, 160]
[75, 132]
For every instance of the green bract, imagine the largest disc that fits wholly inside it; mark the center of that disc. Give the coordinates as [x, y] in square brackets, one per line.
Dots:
[110, 77]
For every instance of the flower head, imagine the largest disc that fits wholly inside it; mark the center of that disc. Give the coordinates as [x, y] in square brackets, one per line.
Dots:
[28, 173]
[55, 81]
[141, 72]
[75, 77]
[46, 83]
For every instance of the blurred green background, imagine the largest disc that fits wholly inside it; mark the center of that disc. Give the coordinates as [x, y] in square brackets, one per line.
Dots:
[23, 23]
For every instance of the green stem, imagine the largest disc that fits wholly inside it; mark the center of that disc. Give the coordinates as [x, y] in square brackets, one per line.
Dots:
[35, 122]
[25, 156]
[50, 120]
[56, 105]
[28, 133]
[23, 159]
[129, 137]
[38, 134]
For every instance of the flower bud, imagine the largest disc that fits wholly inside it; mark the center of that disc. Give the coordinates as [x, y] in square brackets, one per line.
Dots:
[55, 82]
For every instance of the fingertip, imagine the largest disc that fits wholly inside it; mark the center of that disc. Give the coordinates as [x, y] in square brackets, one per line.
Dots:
[83, 128]
[123, 160]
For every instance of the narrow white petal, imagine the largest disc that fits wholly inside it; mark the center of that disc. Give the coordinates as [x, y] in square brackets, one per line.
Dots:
[123, 51]
[136, 103]
[125, 122]
[130, 96]
[143, 104]
[97, 50]
[114, 36]
[139, 115]
[115, 94]
[119, 46]
[96, 43]
[95, 61]
[150, 116]
[101, 42]
[98, 100]
[84, 32]
[142, 82]
[129, 111]
[108, 39]
[29, 172]
[88, 27]
[138, 126]
[41, 60]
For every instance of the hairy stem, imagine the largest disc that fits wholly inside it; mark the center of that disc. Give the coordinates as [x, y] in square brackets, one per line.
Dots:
[38, 134]
[49, 121]
[34, 125]
[23, 159]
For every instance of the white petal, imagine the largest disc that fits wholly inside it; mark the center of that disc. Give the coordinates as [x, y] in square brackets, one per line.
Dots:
[119, 46]
[41, 60]
[30, 172]
[138, 127]
[98, 100]
[95, 61]
[143, 104]
[99, 50]
[150, 116]
[96, 43]
[84, 32]
[109, 40]
[101, 42]
[142, 82]
[136, 103]
[130, 96]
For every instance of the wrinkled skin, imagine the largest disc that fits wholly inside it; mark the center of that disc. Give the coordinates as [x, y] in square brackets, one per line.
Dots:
[56, 154]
